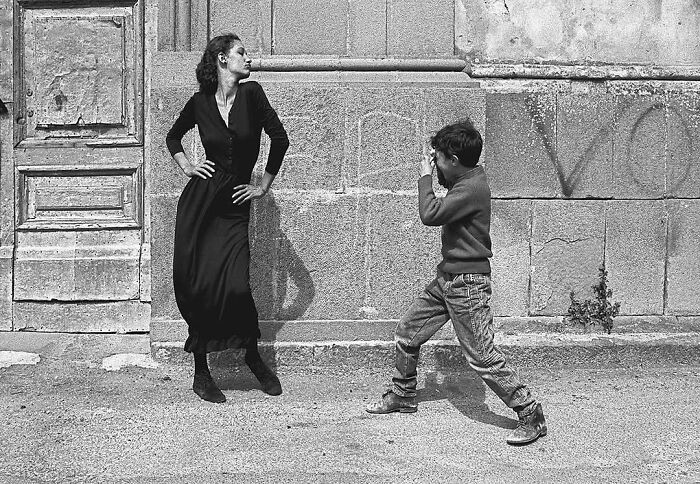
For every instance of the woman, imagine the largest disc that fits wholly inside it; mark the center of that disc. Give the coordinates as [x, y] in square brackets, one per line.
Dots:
[211, 257]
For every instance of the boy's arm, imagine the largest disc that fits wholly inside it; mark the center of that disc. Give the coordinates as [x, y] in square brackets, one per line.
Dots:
[435, 211]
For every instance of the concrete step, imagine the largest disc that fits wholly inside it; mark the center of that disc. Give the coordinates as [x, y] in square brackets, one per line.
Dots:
[522, 350]
[536, 350]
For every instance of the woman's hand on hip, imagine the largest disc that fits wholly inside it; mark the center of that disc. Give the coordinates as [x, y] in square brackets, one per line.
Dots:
[243, 193]
[205, 169]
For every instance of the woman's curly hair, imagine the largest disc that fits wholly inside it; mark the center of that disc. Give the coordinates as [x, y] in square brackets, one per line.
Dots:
[207, 75]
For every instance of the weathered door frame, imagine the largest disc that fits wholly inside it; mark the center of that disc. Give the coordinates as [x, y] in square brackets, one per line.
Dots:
[78, 189]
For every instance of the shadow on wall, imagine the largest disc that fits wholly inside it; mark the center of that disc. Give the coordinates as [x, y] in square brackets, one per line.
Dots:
[281, 283]
[282, 288]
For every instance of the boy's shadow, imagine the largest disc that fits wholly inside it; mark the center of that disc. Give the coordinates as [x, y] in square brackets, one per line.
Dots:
[466, 392]
[274, 264]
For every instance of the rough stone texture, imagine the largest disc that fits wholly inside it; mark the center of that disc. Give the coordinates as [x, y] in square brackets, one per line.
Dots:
[567, 249]
[7, 224]
[535, 350]
[384, 138]
[77, 266]
[6, 288]
[163, 210]
[420, 29]
[165, 20]
[510, 265]
[306, 260]
[583, 155]
[311, 240]
[539, 144]
[367, 29]
[639, 153]
[7, 182]
[296, 331]
[314, 118]
[401, 254]
[81, 317]
[71, 347]
[682, 168]
[341, 239]
[89, 88]
[634, 328]
[445, 106]
[301, 27]
[81, 75]
[573, 31]
[622, 140]
[683, 266]
[6, 40]
[64, 197]
[520, 144]
[635, 255]
[249, 19]
[330, 330]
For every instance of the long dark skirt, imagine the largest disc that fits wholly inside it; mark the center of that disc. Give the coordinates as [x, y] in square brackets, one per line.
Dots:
[211, 266]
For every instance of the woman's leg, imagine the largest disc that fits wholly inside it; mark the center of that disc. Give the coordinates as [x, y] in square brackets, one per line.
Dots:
[203, 384]
[269, 381]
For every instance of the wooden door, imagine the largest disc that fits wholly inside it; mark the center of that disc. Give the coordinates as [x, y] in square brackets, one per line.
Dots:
[80, 261]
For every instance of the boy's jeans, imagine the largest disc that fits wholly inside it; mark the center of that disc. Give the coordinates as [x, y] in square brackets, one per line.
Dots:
[465, 299]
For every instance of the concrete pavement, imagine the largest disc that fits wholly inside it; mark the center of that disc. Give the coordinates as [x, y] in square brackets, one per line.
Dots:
[66, 419]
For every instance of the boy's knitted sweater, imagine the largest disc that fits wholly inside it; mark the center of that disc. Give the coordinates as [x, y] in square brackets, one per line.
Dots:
[465, 215]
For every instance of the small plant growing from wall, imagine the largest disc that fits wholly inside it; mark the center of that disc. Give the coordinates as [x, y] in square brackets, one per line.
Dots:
[596, 311]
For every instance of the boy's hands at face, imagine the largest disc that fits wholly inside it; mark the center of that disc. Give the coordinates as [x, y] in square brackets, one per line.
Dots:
[427, 164]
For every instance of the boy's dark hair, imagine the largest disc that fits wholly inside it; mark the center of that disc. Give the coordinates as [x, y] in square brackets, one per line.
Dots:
[207, 75]
[461, 139]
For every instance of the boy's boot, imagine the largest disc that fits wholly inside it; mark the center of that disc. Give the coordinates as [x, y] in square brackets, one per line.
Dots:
[391, 402]
[531, 426]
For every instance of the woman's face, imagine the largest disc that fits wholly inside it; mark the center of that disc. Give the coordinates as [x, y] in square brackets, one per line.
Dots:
[237, 61]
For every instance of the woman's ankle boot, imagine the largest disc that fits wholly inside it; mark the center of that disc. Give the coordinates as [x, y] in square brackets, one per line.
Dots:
[269, 381]
[204, 386]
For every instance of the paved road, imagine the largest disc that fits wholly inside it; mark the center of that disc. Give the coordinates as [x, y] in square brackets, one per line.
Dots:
[71, 421]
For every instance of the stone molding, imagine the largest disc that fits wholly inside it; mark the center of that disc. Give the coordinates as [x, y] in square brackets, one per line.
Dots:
[606, 72]
[303, 63]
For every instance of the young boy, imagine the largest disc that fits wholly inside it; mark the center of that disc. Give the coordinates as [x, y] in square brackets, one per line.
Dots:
[462, 289]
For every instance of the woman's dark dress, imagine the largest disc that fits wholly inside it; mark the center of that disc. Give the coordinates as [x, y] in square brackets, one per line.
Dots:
[212, 253]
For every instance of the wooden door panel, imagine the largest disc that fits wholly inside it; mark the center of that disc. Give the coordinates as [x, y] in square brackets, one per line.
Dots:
[79, 73]
[76, 197]
[78, 157]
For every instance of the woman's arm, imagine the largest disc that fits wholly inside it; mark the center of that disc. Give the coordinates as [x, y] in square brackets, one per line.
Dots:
[184, 122]
[279, 142]
[173, 140]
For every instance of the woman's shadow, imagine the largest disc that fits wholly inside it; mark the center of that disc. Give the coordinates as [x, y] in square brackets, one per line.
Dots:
[464, 389]
[282, 289]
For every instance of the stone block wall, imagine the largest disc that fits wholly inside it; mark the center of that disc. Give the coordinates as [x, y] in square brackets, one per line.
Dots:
[339, 238]
[600, 171]
[591, 151]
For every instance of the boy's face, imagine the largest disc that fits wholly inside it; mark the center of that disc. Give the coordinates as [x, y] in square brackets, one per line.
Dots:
[443, 166]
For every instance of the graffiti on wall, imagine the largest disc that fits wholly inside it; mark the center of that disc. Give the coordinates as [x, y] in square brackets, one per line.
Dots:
[660, 133]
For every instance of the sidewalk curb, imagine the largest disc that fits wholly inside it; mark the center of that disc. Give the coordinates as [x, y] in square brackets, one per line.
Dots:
[521, 350]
